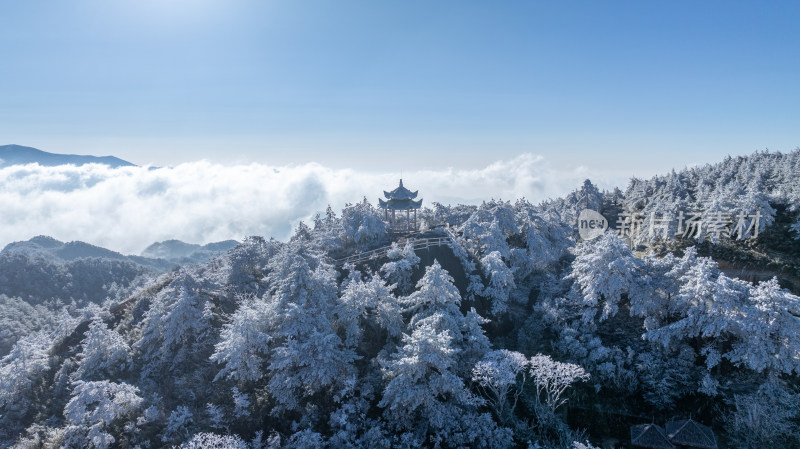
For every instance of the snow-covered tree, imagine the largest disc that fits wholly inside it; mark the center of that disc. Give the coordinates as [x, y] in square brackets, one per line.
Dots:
[666, 375]
[771, 313]
[426, 397]
[552, 379]
[216, 416]
[244, 342]
[766, 417]
[288, 334]
[362, 225]
[547, 239]
[24, 365]
[213, 441]
[426, 400]
[436, 303]
[603, 271]
[500, 377]
[178, 425]
[501, 281]
[369, 308]
[307, 356]
[712, 306]
[241, 403]
[484, 237]
[19, 318]
[104, 352]
[96, 409]
[402, 265]
[327, 230]
[176, 328]
[248, 262]
[306, 439]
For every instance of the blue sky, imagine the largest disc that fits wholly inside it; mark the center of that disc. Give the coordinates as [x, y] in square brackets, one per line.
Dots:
[623, 88]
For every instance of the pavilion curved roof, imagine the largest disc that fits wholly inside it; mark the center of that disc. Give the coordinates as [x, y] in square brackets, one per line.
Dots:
[400, 193]
[394, 204]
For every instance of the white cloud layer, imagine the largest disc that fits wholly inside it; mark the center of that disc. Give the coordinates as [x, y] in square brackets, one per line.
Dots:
[126, 209]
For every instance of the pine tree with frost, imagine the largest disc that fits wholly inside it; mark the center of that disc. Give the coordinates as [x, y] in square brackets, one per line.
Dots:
[241, 403]
[765, 418]
[437, 303]
[657, 282]
[19, 318]
[484, 237]
[103, 352]
[176, 328]
[426, 400]
[749, 204]
[362, 225]
[726, 313]
[306, 439]
[501, 281]
[547, 240]
[425, 397]
[704, 306]
[213, 441]
[178, 425]
[248, 262]
[216, 416]
[20, 370]
[402, 265]
[666, 375]
[589, 196]
[244, 342]
[603, 271]
[306, 355]
[435, 294]
[327, 230]
[771, 313]
[96, 410]
[369, 307]
[288, 334]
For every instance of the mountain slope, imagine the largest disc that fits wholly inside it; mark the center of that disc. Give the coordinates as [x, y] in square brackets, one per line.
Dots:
[19, 155]
[181, 252]
[59, 252]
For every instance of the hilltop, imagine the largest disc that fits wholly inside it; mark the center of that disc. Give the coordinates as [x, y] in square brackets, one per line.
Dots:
[20, 155]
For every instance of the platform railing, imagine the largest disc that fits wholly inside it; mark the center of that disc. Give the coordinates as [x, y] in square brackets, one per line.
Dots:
[417, 244]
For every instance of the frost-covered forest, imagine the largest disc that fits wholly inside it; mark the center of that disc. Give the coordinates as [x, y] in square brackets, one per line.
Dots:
[519, 334]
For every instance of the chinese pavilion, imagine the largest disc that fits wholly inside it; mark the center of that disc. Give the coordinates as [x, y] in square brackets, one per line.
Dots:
[400, 199]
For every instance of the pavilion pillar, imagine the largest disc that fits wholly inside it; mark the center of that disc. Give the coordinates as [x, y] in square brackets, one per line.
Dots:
[400, 199]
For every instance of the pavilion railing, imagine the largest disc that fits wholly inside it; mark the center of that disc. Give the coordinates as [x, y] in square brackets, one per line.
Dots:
[417, 243]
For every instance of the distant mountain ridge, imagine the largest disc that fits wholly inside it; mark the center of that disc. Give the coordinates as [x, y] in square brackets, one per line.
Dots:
[58, 251]
[159, 256]
[20, 155]
[181, 252]
[43, 269]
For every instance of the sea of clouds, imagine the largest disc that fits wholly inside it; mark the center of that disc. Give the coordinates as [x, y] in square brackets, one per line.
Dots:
[126, 209]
